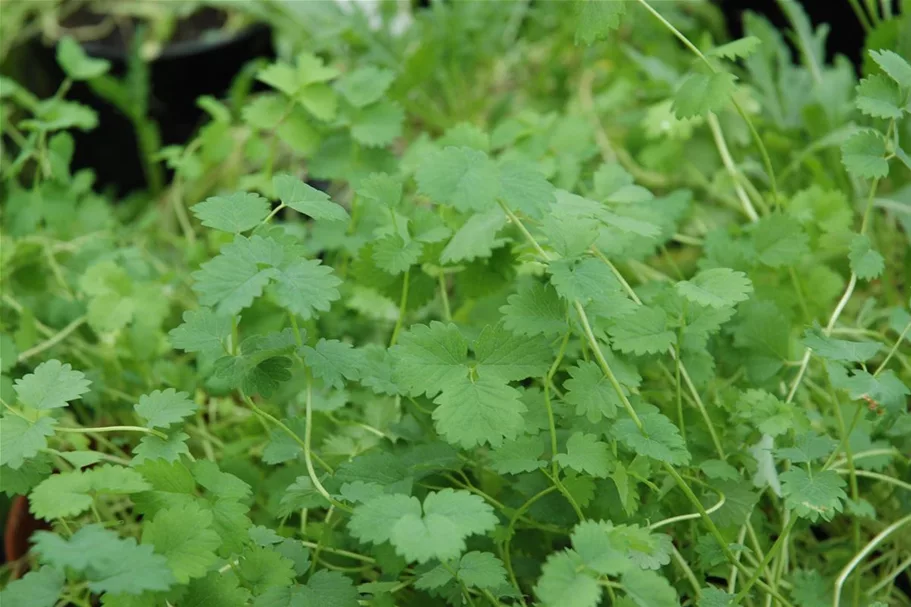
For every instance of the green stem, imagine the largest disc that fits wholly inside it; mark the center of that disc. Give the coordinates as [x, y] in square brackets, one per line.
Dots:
[776, 547]
[894, 349]
[507, 558]
[160, 435]
[861, 15]
[854, 562]
[444, 296]
[403, 303]
[53, 340]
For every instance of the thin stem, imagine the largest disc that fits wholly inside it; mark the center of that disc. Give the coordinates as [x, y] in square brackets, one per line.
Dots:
[274, 212]
[891, 353]
[518, 223]
[53, 340]
[351, 555]
[563, 490]
[507, 558]
[403, 303]
[732, 170]
[779, 542]
[861, 15]
[308, 458]
[444, 296]
[687, 572]
[688, 517]
[876, 476]
[160, 435]
[854, 562]
[885, 581]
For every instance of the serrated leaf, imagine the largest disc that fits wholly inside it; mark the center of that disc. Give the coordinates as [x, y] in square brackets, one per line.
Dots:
[863, 154]
[648, 589]
[716, 288]
[462, 177]
[483, 411]
[323, 589]
[184, 536]
[306, 199]
[333, 361]
[378, 124]
[596, 19]
[590, 392]
[76, 63]
[502, 354]
[262, 568]
[160, 409]
[877, 96]
[819, 496]
[202, 330]
[586, 454]
[523, 188]
[39, 588]
[866, 262]
[779, 240]
[736, 49]
[894, 65]
[659, 439]
[394, 254]
[534, 310]
[839, 349]
[365, 85]
[564, 582]
[703, 93]
[481, 570]
[233, 213]
[215, 590]
[306, 287]
[520, 455]
[645, 331]
[429, 358]
[51, 386]
[477, 238]
[22, 440]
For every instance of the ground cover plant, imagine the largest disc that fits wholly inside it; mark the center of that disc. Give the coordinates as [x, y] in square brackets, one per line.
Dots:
[597, 307]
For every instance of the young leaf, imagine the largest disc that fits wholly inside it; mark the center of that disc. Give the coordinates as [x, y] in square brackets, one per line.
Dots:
[596, 19]
[184, 536]
[586, 454]
[716, 288]
[894, 65]
[700, 94]
[394, 254]
[644, 331]
[819, 496]
[483, 411]
[863, 154]
[51, 386]
[160, 409]
[462, 177]
[866, 262]
[736, 49]
[76, 63]
[365, 85]
[234, 213]
[877, 96]
[306, 199]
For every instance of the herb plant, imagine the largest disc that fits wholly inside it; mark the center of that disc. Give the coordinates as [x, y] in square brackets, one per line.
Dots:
[633, 330]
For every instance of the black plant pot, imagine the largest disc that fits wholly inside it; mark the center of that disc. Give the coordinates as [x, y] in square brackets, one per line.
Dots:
[178, 76]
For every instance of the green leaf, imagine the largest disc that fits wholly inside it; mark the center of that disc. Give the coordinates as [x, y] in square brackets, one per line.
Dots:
[648, 589]
[481, 570]
[477, 238]
[839, 349]
[22, 440]
[429, 358]
[394, 254]
[51, 386]
[436, 531]
[215, 590]
[76, 63]
[510, 357]
[523, 188]
[877, 96]
[590, 392]
[645, 331]
[602, 547]
[483, 411]
[779, 240]
[564, 582]
[534, 310]
[819, 496]
[184, 536]
[323, 589]
[378, 124]
[894, 65]
[70, 493]
[736, 49]
[808, 447]
[769, 414]
[659, 439]
[262, 568]
[715, 597]
[306, 199]
[109, 563]
[202, 330]
[462, 177]
[520, 455]
[716, 288]
[233, 213]
[365, 85]
[703, 93]
[382, 188]
[154, 447]
[333, 361]
[866, 262]
[232, 280]
[586, 454]
[584, 279]
[596, 19]
[306, 287]
[160, 409]
[39, 588]
[863, 154]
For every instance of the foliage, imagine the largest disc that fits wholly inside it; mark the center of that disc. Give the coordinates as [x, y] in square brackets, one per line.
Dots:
[577, 315]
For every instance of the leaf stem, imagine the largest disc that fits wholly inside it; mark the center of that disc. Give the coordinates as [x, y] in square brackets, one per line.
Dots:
[53, 340]
[141, 429]
[403, 303]
[852, 564]
[779, 542]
